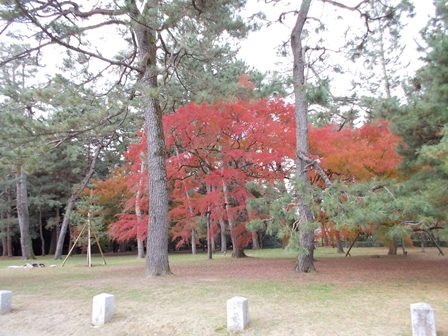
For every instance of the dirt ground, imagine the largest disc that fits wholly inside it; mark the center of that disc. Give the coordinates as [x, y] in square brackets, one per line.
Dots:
[359, 295]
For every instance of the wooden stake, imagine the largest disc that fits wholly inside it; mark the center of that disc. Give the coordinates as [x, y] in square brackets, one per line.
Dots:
[74, 244]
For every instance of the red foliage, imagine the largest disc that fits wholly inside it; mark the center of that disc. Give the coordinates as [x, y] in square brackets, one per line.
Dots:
[214, 150]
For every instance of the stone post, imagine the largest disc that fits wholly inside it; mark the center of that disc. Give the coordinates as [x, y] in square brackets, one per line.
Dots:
[5, 301]
[237, 313]
[423, 320]
[102, 308]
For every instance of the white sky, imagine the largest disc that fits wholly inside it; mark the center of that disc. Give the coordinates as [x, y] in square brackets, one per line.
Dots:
[260, 48]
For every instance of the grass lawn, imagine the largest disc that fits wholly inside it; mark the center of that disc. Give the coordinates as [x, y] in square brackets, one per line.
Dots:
[366, 294]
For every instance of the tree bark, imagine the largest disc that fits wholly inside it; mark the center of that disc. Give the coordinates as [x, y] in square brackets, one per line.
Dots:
[8, 225]
[222, 226]
[193, 242]
[339, 247]
[23, 214]
[392, 247]
[55, 233]
[41, 234]
[209, 237]
[143, 24]
[71, 203]
[303, 213]
[138, 211]
[255, 243]
[237, 251]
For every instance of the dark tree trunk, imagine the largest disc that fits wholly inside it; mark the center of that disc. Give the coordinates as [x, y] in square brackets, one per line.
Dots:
[8, 224]
[238, 251]
[53, 242]
[422, 242]
[392, 247]
[157, 239]
[41, 234]
[4, 247]
[23, 215]
[304, 216]
[55, 233]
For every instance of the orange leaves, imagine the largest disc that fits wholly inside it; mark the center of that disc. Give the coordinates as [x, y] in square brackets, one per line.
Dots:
[361, 153]
[229, 144]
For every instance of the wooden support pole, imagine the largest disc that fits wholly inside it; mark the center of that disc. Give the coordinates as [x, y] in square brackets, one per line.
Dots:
[74, 244]
[351, 245]
[99, 247]
[431, 236]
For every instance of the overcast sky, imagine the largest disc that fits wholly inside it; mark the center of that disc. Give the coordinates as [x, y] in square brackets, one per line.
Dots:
[260, 48]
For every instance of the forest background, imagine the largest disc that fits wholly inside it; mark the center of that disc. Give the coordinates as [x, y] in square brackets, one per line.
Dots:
[170, 139]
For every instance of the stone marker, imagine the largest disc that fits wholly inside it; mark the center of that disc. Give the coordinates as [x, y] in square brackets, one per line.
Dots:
[423, 320]
[102, 308]
[5, 301]
[237, 313]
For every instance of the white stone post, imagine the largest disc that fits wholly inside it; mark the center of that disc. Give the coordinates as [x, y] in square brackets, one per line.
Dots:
[5, 301]
[423, 320]
[102, 308]
[237, 313]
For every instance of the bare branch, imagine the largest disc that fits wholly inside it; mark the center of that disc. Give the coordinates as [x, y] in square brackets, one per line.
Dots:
[57, 40]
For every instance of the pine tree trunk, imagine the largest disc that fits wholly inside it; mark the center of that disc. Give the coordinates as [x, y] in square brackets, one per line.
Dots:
[3, 232]
[157, 238]
[422, 242]
[339, 247]
[65, 222]
[222, 226]
[8, 225]
[55, 234]
[23, 215]
[41, 234]
[303, 213]
[4, 247]
[392, 247]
